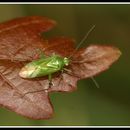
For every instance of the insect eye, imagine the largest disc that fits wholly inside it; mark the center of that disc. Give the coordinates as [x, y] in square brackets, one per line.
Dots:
[66, 61]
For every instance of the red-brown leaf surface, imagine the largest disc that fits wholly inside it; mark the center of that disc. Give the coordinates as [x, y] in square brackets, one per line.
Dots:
[19, 40]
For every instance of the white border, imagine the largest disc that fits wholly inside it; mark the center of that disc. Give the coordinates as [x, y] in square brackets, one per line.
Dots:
[56, 3]
[65, 126]
[64, 3]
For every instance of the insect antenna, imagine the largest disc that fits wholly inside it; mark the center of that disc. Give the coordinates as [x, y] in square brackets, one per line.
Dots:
[95, 82]
[82, 41]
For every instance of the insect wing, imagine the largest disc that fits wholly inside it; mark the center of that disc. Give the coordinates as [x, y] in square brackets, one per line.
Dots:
[39, 68]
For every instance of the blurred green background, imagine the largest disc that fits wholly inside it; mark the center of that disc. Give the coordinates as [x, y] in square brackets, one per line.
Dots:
[88, 106]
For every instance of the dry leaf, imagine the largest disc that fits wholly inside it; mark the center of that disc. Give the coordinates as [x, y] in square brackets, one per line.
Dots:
[19, 40]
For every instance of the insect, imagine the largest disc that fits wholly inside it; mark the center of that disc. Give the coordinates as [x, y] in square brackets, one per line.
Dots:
[46, 66]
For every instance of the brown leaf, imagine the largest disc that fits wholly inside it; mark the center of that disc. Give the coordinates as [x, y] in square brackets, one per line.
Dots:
[19, 41]
[93, 60]
[19, 38]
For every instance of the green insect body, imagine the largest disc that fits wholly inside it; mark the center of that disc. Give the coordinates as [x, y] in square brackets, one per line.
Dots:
[44, 66]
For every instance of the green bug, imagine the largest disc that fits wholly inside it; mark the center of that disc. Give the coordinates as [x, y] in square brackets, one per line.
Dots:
[44, 66]
[48, 65]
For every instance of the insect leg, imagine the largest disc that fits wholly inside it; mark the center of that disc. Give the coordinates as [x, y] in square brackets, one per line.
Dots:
[50, 84]
[61, 77]
[42, 55]
[50, 80]
[71, 73]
